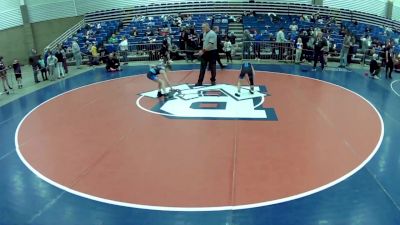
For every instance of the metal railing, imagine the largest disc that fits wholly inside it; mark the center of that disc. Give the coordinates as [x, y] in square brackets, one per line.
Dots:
[268, 50]
[252, 50]
[67, 34]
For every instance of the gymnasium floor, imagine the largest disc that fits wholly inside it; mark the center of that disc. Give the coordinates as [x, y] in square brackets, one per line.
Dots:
[306, 148]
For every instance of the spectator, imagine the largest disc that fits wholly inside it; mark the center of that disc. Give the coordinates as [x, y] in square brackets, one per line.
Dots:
[134, 32]
[228, 49]
[149, 32]
[299, 49]
[319, 45]
[280, 40]
[113, 64]
[220, 46]
[113, 39]
[345, 50]
[52, 64]
[374, 68]
[257, 45]
[17, 73]
[3, 76]
[246, 44]
[364, 49]
[94, 55]
[43, 68]
[123, 47]
[33, 61]
[76, 51]
[389, 58]
[293, 27]
[59, 68]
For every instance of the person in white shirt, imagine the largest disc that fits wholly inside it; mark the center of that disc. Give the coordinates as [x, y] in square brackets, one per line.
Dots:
[123, 47]
[299, 50]
[76, 51]
[52, 64]
[293, 27]
[228, 49]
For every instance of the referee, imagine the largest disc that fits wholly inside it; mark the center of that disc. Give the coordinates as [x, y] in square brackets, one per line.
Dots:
[208, 54]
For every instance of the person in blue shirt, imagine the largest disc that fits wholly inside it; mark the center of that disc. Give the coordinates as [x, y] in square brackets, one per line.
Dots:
[153, 73]
[247, 69]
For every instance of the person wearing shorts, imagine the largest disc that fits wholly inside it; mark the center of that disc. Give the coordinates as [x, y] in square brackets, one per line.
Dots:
[247, 69]
[152, 75]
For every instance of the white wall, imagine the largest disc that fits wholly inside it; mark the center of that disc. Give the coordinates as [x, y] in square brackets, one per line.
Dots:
[86, 6]
[376, 7]
[396, 10]
[41, 10]
[10, 14]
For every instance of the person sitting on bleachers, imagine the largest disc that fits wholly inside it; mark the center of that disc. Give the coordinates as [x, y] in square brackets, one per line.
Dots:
[113, 64]
[113, 39]
[149, 32]
[293, 27]
[134, 32]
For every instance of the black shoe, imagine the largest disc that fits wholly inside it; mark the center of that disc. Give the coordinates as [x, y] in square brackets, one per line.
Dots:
[159, 95]
[251, 91]
[237, 94]
[213, 83]
[10, 87]
[198, 84]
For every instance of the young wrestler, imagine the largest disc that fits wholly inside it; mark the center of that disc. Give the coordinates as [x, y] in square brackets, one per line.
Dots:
[153, 73]
[247, 69]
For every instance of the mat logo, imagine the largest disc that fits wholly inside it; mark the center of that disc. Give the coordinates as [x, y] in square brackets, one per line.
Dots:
[211, 102]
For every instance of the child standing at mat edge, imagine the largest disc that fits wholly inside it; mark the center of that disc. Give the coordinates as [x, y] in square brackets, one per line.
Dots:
[17, 73]
[247, 69]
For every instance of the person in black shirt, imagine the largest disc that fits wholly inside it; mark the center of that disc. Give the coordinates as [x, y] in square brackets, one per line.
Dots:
[113, 64]
[389, 60]
[319, 45]
[220, 47]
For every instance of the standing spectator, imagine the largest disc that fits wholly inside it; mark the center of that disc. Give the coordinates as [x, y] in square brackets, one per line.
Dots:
[344, 51]
[33, 61]
[220, 47]
[228, 49]
[280, 40]
[76, 51]
[17, 73]
[257, 45]
[64, 62]
[352, 52]
[389, 60]
[52, 65]
[95, 55]
[319, 45]
[123, 47]
[59, 67]
[299, 49]
[364, 49]
[43, 68]
[191, 44]
[3, 76]
[246, 44]
[208, 54]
